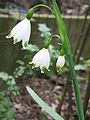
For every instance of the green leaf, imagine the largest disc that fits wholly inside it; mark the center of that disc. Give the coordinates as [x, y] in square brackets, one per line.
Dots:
[10, 114]
[7, 112]
[44, 30]
[79, 67]
[54, 53]
[42, 104]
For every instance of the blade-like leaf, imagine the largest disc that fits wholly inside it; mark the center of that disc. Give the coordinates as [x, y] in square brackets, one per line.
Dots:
[67, 50]
[42, 104]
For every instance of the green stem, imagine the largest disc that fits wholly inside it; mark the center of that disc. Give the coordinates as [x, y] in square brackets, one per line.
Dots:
[49, 40]
[33, 9]
[67, 50]
[42, 5]
[52, 36]
[76, 88]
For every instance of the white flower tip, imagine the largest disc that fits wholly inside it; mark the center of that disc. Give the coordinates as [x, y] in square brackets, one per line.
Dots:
[42, 71]
[30, 63]
[8, 36]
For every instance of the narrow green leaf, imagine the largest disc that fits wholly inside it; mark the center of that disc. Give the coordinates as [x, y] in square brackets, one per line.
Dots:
[42, 104]
[67, 50]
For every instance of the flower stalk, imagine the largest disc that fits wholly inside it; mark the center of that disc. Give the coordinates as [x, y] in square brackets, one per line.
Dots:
[67, 51]
[42, 5]
[33, 9]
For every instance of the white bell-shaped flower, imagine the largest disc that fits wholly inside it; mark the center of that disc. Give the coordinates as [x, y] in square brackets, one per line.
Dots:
[22, 32]
[60, 62]
[42, 59]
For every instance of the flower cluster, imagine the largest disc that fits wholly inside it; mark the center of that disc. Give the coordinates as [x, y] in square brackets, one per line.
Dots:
[21, 32]
[42, 60]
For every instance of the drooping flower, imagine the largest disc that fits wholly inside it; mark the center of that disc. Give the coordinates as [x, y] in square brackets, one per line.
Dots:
[21, 32]
[60, 62]
[42, 59]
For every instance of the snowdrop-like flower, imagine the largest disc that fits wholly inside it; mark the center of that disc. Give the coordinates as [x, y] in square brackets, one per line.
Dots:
[60, 62]
[21, 32]
[42, 59]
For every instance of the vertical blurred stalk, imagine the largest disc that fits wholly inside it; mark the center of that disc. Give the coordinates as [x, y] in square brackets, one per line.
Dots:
[84, 41]
[79, 42]
[67, 50]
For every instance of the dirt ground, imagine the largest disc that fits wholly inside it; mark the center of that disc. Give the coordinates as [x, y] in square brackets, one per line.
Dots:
[74, 7]
[50, 90]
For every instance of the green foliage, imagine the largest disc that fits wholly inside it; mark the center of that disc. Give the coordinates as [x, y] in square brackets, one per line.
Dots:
[10, 83]
[7, 112]
[23, 67]
[79, 67]
[44, 31]
[54, 52]
[19, 71]
[83, 65]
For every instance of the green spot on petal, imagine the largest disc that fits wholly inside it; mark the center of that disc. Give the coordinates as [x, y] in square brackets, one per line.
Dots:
[59, 69]
[33, 66]
[43, 69]
[25, 44]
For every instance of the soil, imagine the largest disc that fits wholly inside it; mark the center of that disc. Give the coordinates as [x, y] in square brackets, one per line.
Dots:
[50, 90]
[74, 7]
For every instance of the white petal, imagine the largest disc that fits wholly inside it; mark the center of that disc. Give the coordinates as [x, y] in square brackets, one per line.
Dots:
[27, 34]
[21, 31]
[60, 61]
[42, 59]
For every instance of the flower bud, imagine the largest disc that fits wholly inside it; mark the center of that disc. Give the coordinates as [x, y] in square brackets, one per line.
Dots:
[60, 62]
